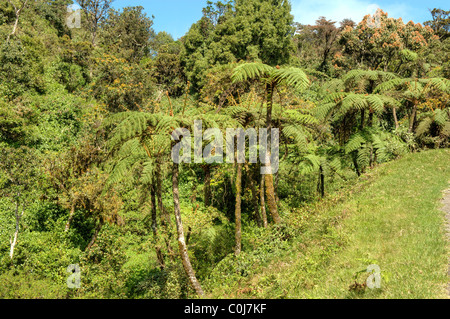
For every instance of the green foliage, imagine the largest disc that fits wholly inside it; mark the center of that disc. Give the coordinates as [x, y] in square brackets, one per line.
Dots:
[14, 69]
[248, 30]
[121, 85]
[128, 32]
[86, 116]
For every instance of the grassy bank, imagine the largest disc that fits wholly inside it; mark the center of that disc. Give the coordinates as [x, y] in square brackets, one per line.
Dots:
[390, 218]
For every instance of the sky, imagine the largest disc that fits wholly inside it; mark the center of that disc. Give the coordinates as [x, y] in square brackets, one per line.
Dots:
[177, 16]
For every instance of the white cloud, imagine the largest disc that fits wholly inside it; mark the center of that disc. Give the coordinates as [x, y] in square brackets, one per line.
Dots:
[307, 11]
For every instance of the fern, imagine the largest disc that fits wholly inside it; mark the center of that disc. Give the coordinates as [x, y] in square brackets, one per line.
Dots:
[248, 71]
[391, 84]
[324, 110]
[293, 77]
[354, 143]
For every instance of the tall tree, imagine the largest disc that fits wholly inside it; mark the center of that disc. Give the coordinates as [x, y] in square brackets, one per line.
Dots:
[237, 212]
[18, 6]
[440, 22]
[247, 30]
[128, 32]
[377, 41]
[95, 11]
[272, 77]
[327, 34]
[415, 91]
[19, 174]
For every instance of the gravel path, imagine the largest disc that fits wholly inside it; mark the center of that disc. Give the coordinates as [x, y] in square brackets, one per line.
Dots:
[446, 209]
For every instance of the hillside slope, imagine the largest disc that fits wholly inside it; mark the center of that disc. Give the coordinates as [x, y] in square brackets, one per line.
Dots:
[391, 218]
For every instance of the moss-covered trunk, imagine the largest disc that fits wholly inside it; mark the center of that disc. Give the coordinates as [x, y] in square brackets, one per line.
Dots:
[270, 190]
[237, 211]
[180, 232]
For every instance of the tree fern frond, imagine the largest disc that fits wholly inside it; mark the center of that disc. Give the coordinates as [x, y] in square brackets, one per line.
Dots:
[440, 117]
[446, 130]
[131, 147]
[324, 110]
[147, 172]
[363, 157]
[251, 70]
[132, 125]
[353, 102]
[354, 143]
[376, 103]
[424, 126]
[335, 97]
[440, 84]
[294, 77]
[391, 84]
[299, 118]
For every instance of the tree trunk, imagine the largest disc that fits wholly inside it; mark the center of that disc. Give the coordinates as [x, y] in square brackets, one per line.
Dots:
[13, 241]
[270, 191]
[94, 37]
[69, 221]
[275, 186]
[159, 254]
[251, 183]
[13, 30]
[165, 218]
[207, 190]
[363, 116]
[412, 119]
[237, 211]
[394, 113]
[321, 186]
[16, 22]
[263, 203]
[181, 241]
[370, 120]
[94, 237]
[355, 163]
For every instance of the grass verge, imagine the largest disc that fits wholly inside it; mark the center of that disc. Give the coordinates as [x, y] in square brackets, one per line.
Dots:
[390, 218]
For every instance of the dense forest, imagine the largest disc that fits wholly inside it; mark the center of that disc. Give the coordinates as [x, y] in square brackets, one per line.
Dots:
[89, 100]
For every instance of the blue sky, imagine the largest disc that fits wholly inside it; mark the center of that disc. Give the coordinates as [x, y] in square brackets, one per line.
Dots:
[176, 16]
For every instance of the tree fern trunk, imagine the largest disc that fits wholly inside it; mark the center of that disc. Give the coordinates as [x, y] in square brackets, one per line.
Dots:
[355, 163]
[159, 254]
[412, 119]
[363, 115]
[270, 190]
[263, 203]
[275, 186]
[270, 90]
[237, 212]
[394, 113]
[370, 120]
[164, 216]
[251, 183]
[321, 185]
[207, 190]
[181, 241]
[271, 201]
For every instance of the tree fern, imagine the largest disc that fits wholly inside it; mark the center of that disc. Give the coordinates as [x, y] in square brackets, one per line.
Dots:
[246, 71]
[293, 77]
